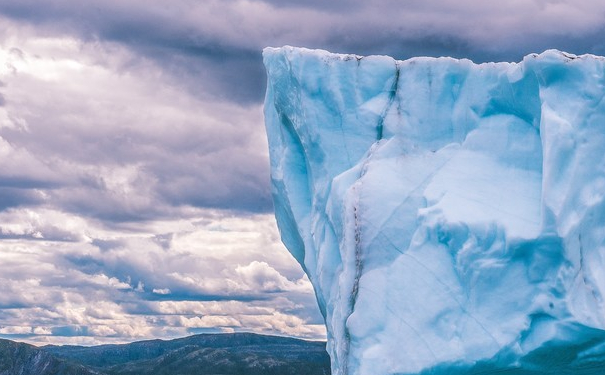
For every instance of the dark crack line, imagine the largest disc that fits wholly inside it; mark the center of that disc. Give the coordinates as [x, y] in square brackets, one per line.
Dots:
[392, 96]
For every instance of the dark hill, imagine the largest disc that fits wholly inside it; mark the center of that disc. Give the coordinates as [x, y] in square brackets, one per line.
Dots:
[22, 359]
[206, 354]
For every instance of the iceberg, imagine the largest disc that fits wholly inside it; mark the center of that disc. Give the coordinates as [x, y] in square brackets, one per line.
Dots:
[450, 215]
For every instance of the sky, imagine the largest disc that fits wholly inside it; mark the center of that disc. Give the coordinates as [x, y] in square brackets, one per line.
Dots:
[135, 198]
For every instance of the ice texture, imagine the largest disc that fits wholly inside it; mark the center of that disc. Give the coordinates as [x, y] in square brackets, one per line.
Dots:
[450, 215]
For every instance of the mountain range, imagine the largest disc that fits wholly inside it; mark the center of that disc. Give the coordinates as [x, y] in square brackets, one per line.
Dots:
[204, 354]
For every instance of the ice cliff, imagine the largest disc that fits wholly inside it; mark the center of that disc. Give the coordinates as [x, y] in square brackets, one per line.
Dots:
[450, 215]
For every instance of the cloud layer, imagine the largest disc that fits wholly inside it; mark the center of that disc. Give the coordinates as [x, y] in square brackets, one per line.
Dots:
[67, 281]
[130, 137]
[217, 42]
[130, 207]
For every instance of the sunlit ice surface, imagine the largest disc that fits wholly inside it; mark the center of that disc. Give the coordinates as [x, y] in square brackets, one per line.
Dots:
[450, 215]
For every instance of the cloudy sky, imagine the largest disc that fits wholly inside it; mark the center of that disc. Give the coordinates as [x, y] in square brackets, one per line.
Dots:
[134, 184]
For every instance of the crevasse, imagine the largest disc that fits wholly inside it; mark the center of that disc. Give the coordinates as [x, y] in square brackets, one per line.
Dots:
[450, 215]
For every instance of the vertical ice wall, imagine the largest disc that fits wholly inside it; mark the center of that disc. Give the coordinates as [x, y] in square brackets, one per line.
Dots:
[451, 216]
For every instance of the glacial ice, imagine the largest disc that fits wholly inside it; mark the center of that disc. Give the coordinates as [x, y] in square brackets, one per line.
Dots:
[450, 215]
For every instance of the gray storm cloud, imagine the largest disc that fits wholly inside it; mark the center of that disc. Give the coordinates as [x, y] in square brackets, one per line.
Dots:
[223, 29]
